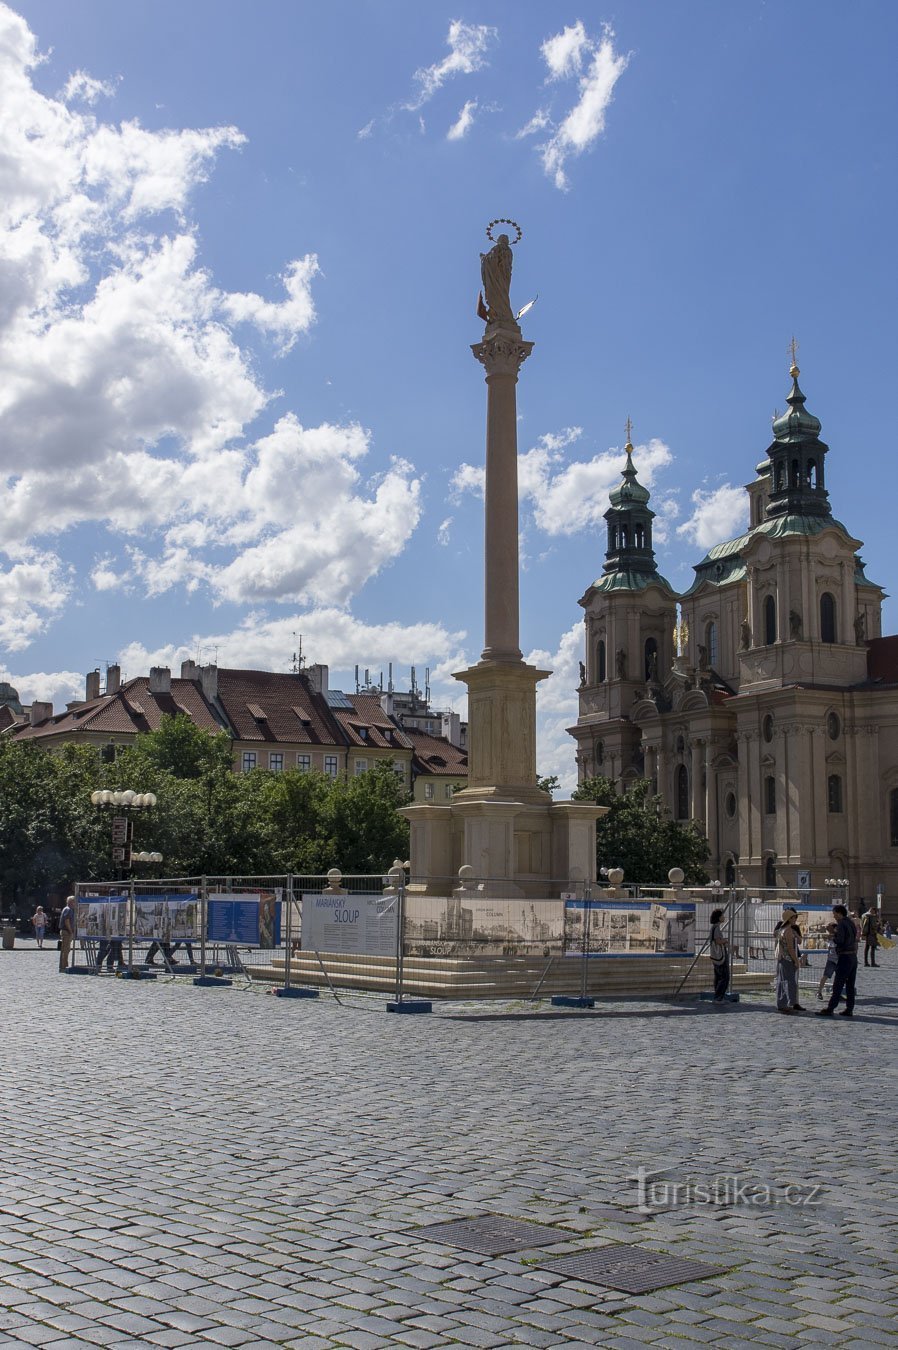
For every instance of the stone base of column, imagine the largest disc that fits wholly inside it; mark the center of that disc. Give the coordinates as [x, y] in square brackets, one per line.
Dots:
[502, 730]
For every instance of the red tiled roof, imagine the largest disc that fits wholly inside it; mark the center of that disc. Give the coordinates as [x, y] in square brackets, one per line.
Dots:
[366, 723]
[290, 711]
[130, 710]
[435, 755]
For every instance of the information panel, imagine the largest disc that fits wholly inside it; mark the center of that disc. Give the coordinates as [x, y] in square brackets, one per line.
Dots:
[102, 918]
[366, 924]
[167, 918]
[628, 928]
[248, 918]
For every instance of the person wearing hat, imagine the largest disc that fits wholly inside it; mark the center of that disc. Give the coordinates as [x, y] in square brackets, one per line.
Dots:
[787, 934]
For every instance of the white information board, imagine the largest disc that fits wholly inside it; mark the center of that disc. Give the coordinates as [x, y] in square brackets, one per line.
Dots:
[363, 924]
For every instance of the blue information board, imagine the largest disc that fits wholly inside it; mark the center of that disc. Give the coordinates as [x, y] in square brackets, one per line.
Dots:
[251, 921]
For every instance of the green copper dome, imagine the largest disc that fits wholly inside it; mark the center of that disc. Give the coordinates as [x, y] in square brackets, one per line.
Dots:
[630, 492]
[797, 424]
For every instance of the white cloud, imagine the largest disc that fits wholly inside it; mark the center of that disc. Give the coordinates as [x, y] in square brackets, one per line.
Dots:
[284, 320]
[444, 533]
[468, 45]
[125, 397]
[34, 590]
[720, 513]
[365, 132]
[564, 496]
[557, 708]
[564, 55]
[538, 122]
[57, 687]
[331, 636]
[83, 88]
[564, 52]
[465, 120]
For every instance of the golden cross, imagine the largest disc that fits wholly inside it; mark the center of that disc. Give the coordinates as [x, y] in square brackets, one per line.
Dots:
[793, 348]
[629, 430]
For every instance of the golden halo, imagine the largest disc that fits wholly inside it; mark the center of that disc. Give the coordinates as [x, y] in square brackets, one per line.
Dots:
[504, 220]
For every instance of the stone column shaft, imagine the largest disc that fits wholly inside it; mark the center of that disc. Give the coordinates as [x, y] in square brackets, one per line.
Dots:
[501, 355]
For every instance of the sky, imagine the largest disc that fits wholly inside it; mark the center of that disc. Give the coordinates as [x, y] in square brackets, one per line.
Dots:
[239, 265]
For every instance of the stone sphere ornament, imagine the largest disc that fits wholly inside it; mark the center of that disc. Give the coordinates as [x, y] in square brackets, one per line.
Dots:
[504, 220]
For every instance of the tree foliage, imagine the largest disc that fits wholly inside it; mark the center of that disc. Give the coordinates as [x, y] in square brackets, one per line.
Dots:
[640, 835]
[208, 820]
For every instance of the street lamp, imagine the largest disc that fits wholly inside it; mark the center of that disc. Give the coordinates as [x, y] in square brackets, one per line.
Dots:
[125, 805]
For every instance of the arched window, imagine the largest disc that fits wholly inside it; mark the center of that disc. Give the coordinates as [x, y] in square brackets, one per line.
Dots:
[781, 478]
[827, 618]
[600, 661]
[638, 536]
[599, 753]
[624, 537]
[769, 620]
[812, 473]
[770, 795]
[770, 871]
[651, 659]
[893, 818]
[711, 643]
[682, 792]
[796, 474]
[834, 794]
[612, 539]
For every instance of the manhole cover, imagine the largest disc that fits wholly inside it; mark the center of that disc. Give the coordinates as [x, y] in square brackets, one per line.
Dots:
[491, 1235]
[634, 1270]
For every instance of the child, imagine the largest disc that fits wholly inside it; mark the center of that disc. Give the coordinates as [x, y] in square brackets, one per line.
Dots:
[829, 969]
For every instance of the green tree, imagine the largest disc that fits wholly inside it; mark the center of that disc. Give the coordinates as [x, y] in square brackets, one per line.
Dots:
[640, 835]
[549, 784]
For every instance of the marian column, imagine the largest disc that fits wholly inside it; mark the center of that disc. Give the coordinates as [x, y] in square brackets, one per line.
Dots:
[517, 840]
[501, 687]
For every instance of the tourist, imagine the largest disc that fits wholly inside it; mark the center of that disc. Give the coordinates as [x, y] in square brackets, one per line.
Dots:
[110, 950]
[870, 933]
[787, 934]
[66, 931]
[845, 978]
[829, 969]
[39, 922]
[887, 930]
[719, 951]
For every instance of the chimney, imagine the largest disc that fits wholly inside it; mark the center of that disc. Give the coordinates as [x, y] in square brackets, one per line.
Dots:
[451, 725]
[209, 677]
[92, 685]
[317, 676]
[40, 712]
[160, 680]
[190, 670]
[113, 679]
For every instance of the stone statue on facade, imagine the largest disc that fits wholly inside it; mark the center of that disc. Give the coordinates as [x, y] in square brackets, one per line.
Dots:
[702, 657]
[745, 630]
[795, 625]
[860, 628]
[495, 273]
[582, 674]
[620, 661]
[651, 667]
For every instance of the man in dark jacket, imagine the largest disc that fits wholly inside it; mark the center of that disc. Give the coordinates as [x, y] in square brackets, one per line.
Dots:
[845, 978]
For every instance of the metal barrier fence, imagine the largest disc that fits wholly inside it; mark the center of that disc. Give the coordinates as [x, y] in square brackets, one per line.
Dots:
[457, 939]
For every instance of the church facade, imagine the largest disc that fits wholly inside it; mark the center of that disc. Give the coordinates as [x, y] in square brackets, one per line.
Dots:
[762, 703]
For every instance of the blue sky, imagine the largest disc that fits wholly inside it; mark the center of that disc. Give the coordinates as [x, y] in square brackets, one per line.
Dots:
[238, 269]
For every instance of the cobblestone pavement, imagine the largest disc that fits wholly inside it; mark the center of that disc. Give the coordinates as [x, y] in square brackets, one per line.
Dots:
[188, 1167]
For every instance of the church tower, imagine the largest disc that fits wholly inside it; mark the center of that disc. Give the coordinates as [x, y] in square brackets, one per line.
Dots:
[630, 615]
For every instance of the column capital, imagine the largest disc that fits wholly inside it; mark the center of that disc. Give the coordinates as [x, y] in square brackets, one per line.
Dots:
[502, 353]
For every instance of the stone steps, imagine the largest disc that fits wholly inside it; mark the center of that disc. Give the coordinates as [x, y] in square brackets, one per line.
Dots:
[502, 977]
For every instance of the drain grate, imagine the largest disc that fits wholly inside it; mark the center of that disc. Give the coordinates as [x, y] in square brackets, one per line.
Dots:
[492, 1235]
[634, 1270]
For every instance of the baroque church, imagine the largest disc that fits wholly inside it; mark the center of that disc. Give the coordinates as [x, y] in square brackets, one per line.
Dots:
[763, 702]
